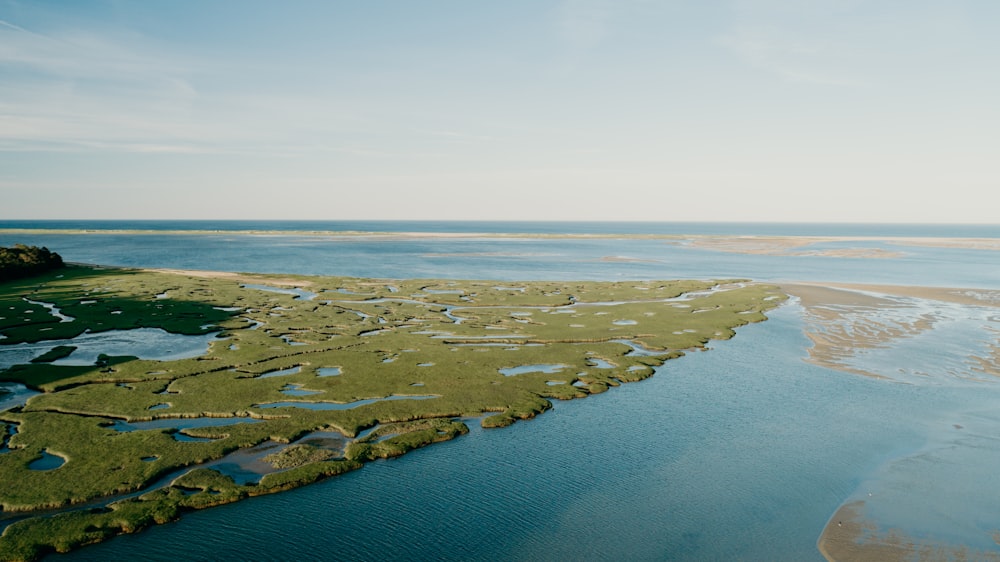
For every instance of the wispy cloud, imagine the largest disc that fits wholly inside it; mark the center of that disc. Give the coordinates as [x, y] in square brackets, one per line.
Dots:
[79, 89]
[852, 42]
[790, 59]
[14, 27]
[461, 136]
[584, 23]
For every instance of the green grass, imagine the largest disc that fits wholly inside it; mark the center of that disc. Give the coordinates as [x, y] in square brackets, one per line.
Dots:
[406, 345]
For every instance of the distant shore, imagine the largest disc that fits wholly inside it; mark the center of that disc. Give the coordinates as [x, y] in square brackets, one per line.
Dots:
[741, 244]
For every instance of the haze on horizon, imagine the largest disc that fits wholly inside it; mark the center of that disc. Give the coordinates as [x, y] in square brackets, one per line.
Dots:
[723, 110]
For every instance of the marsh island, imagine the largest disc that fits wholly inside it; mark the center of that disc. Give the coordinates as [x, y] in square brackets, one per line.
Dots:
[155, 392]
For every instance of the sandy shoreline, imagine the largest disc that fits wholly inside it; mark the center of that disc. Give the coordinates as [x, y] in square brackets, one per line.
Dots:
[206, 274]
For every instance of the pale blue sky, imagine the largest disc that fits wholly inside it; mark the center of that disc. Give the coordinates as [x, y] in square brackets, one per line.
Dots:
[776, 110]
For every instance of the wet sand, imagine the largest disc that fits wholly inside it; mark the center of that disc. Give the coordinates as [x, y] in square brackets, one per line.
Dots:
[814, 293]
[846, 320]
[849, 536]
[243, 277]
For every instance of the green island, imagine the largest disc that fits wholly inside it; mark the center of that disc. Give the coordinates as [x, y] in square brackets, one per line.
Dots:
[384, 366]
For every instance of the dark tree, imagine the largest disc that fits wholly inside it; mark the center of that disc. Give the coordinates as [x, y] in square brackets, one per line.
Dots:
[25, 261]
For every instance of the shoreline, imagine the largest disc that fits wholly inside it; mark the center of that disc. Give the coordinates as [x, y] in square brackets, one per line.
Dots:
[764, 245]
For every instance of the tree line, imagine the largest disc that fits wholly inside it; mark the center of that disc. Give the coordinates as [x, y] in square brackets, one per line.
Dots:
[25, 261]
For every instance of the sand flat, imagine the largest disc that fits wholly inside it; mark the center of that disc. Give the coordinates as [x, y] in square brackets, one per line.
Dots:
[850, 536]
[848, 322]
[205, 274]
[799, 245]
[821, 292]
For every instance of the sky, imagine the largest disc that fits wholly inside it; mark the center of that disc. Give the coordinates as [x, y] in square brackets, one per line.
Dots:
[671, 110]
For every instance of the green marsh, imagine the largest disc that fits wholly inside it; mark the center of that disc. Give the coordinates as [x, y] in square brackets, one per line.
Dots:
[416, 355]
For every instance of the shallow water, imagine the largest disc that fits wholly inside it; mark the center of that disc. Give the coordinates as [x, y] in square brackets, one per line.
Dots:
[300, 294]
[144, 343]
[47, 461]
[622, 473]
[532, 258]
[326, 406]
[178, 423]
[741, 452]
[548, 369]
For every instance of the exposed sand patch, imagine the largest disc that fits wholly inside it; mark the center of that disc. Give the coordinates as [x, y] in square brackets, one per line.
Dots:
[849, 536]
[626, 259]
[287, 282]
[973, 297]
[787, 246]
[845, 321]
[961, 243]
[765, 245]
[797, 245]
[477, 255]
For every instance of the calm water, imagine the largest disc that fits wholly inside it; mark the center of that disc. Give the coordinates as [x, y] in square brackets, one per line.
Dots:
[534, 227]
[513, 259]
[742, 452]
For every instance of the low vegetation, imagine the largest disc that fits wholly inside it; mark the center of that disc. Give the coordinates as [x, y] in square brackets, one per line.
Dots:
[392, 364]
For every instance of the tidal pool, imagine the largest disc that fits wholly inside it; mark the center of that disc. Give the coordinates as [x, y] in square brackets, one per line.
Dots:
[178, 423]
[341, 405]
[539, 368]
[300, 294]
[48, 461]
[17, 395]
[284, 372]
[52, 309]
[144, 343]
[296, 390]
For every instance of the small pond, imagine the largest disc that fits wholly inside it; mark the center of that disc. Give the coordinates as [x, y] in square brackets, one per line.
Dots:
[341, 405]
[300, 294]
[145, 343]
[47, 462]
[539, 368]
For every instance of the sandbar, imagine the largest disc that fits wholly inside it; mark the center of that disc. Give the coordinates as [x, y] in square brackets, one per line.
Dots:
[844, 321]
[850, 536]
[748, 244]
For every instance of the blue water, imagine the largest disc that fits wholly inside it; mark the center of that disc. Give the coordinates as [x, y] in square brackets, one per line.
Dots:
[528, 227]
[742, 452]
[717, 457]
[523, 258]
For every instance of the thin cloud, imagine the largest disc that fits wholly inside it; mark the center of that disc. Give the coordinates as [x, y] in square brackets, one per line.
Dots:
[457, 135]
[12, 26]
[584, 23]
[790, 60]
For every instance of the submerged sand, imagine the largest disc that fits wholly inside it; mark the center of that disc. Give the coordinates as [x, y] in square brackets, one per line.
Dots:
[845, 321]
[750, 244]
[799, 245]
[850, 536]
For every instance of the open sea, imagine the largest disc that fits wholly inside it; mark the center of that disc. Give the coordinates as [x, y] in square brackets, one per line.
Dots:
[743, 452]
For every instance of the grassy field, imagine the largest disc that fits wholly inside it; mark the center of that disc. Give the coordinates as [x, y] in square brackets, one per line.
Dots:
[402, 358]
